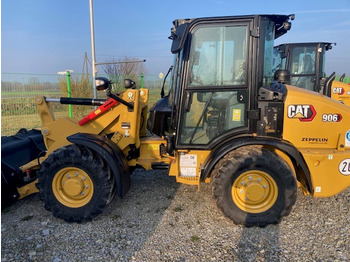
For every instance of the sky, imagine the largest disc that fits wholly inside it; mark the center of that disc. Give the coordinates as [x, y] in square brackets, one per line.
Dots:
[48, 36]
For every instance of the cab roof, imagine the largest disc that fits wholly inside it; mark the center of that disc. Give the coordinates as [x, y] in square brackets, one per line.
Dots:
[182, 26]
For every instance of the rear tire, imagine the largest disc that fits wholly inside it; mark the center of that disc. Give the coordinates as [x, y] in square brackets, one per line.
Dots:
[75, 184]
[254, 186]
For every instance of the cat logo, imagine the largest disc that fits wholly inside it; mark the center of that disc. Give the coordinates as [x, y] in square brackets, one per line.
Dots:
[305, 113]
[338, 90]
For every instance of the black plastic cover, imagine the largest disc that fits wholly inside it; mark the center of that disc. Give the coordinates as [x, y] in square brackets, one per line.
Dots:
[178, 37]
[159, 117]
[21, 148]
[271, 106]
[282, 76]
[275, 92]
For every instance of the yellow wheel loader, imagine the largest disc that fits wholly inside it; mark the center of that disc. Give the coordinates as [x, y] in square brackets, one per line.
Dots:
[306, 63]
[224, 121]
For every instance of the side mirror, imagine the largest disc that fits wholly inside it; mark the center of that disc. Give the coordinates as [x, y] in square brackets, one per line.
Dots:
[128, 83]
[102, 83]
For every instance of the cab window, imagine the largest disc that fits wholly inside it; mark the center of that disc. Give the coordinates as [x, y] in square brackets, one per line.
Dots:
[303, 67]
[212, 114]
[269, 63]
[303, 60]
[218, 56]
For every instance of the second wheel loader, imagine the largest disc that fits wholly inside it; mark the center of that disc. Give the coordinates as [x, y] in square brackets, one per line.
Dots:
[224, 121]
[306, 63]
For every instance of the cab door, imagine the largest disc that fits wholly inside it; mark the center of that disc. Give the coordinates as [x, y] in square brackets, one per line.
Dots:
[214, 101]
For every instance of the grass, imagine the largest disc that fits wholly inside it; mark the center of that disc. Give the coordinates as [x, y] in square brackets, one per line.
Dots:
[11, 124]
[194, 238]
[17, 113]
[6, 210]
[178, 209]
[116, 217]
[26, 218]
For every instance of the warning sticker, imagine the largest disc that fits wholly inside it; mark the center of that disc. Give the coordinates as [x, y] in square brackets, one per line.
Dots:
[236, 115]
[344, 167]
[347, 138]
[188, 160]
[188, 171]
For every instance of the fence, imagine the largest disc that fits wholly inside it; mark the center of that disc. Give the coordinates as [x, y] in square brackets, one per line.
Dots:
[18, 91]
[18, 109]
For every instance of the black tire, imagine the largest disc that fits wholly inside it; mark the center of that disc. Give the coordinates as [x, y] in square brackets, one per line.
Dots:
[75, 184]
[254, 186]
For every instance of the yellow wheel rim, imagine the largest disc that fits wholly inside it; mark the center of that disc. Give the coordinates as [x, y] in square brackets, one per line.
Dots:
[72, 187]
[254, 191]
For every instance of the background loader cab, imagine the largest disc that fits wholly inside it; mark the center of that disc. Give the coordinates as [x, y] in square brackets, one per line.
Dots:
[306, 62]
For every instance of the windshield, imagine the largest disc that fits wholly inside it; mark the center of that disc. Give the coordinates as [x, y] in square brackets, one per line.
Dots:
[303, 60]
[302, 66]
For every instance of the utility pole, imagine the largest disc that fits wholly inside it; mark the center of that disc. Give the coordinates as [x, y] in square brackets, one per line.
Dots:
[92, 32]
[86, 64]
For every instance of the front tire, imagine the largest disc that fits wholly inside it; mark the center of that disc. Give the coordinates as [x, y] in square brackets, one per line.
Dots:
[75, 184]
[254, 186]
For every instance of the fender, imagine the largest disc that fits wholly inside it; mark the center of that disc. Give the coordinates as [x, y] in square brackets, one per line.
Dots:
[302, 171]
[111, 153]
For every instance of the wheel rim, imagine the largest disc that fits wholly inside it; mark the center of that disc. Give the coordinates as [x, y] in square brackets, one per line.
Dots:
[72, 187]
[254, 191]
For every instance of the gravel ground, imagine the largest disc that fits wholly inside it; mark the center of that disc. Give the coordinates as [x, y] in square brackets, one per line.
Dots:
[160, 220]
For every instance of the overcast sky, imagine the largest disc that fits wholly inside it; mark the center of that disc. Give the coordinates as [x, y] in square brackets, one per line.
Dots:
[47, 36]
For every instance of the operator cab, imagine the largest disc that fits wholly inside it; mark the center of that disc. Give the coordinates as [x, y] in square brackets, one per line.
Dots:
[219, 65]
[305, 61]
